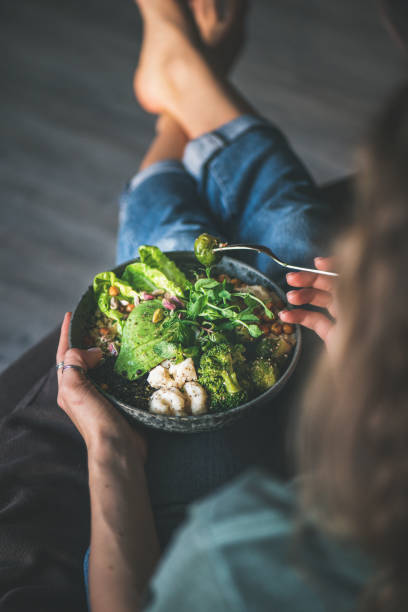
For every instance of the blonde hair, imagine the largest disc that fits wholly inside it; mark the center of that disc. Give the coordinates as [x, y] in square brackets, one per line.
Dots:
[353, 432]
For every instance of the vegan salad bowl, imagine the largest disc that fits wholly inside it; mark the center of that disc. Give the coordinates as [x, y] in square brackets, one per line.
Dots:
[187, 348]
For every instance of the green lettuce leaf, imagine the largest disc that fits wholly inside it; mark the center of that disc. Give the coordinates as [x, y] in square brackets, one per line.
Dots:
[154, 258]
[144, 344]
[102, 283]
[136, 275]
[144, 278]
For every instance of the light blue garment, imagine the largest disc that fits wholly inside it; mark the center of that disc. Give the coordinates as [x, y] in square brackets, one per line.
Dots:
[243, 183]
[247, 549]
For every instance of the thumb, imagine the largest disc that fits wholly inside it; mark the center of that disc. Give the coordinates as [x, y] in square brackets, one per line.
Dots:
[92, 357]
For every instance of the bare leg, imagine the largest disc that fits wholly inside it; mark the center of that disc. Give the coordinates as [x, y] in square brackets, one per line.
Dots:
[222, 37]
[174, 78]
[169, 142]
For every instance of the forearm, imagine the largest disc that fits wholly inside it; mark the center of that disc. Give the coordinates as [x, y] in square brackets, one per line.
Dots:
[124, 545]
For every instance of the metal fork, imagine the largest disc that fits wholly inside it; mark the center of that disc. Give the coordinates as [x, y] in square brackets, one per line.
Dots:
[263, 249]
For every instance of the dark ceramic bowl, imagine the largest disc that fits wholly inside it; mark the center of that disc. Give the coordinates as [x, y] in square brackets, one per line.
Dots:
[192, 424]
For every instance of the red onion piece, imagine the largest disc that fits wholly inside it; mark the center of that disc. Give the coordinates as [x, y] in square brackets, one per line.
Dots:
[175, 300]
[168, 305]
[112, 349]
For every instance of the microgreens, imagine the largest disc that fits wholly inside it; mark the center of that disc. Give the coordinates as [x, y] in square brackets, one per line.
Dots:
[217, 302]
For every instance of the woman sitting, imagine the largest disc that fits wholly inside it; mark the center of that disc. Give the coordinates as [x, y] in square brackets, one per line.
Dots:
[335, 538]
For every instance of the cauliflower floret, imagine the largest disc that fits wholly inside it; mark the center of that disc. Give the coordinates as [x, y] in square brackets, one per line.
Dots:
[159, 377]
[196, 397]
[167, 363]
[183, 372]
[168, 401]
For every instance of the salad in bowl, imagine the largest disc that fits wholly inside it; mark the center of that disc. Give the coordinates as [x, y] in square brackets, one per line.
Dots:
[187, 340]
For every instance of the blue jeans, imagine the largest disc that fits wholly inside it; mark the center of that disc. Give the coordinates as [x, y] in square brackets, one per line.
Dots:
[244, 183]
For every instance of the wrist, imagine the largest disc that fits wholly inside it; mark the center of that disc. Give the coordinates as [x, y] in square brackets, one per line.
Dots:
[118, 443]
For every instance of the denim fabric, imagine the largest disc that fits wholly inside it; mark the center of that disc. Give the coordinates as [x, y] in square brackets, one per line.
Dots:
[161, 206]
[242, 182]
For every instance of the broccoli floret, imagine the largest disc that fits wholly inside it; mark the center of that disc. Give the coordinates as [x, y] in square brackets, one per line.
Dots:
[217, 374]
[222, 400]
[237, 354]
[263, 374]
[272, 348]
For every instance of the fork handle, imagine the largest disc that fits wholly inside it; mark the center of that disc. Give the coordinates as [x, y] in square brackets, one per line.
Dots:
[312, 270]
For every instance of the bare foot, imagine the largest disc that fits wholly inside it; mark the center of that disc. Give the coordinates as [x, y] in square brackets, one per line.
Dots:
[221, 27]
[174, 78]
[168, 45]
[175, 37]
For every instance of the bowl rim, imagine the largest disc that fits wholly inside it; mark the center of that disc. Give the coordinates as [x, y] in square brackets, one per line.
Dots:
[205, 421]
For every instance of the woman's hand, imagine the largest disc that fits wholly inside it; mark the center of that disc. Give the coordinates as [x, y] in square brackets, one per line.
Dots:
[124, 545]
[316, 290]
[92, 414]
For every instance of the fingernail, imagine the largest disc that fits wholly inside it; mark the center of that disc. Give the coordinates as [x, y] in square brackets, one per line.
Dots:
[290, 275]
[291, 294]
[282, 312]
[95, 349]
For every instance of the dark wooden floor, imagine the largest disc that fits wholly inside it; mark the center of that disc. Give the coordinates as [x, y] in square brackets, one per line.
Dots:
[72, 133]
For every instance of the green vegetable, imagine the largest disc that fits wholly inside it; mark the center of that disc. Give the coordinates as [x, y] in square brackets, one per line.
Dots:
[263, 374]
[152, 257]
[136, 274]
[217, 374]
[101, 285]
[272, 348]
[144, 343]
[144, 278]
[213, 301]
[203, 249]
[220, 399]
[201, 325]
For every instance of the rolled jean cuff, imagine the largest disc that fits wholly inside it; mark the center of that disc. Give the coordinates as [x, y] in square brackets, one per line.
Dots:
[161, 167]
[200, 151]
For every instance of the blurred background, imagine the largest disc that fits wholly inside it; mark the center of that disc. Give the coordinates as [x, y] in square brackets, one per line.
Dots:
[72, 134]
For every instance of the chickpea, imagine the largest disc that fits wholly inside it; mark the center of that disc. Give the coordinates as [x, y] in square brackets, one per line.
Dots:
[130, 307]
[103, 331]
[264, 328]
[276, 328]
[158, 315]
[113, 291]
[287, 329]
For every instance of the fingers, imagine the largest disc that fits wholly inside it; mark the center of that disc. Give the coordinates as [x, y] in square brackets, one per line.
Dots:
[328, 264]
[308, 279]
[63, 344]
[73, 386]
[92, 357]
[86, 359]
[316, 289]
[316, 297]
[315, 321]
[317, 281]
